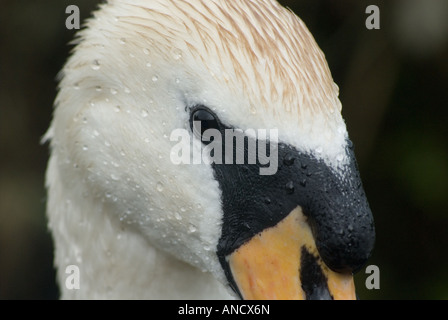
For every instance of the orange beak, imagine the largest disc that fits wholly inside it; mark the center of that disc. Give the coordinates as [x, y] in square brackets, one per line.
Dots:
[282, 262]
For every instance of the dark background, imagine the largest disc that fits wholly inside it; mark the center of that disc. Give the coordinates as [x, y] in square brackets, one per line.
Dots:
[393, 82]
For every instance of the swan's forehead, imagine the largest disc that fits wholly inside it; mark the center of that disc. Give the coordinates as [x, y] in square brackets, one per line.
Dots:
[257, 47]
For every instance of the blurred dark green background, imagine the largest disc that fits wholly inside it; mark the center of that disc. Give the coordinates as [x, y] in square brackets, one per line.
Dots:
[394, 84]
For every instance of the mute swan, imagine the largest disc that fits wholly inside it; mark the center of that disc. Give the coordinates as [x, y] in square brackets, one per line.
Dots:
[138, 225]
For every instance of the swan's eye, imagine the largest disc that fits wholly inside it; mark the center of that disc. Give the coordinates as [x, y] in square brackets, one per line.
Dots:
[201, 120]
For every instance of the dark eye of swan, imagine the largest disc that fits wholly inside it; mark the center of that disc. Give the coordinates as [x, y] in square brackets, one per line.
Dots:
[201, 120]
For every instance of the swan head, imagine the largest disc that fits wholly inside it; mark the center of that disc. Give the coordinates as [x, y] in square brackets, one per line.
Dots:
[145, 81]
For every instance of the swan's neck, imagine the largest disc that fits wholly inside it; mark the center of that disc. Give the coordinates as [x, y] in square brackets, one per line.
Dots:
[113, 261]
